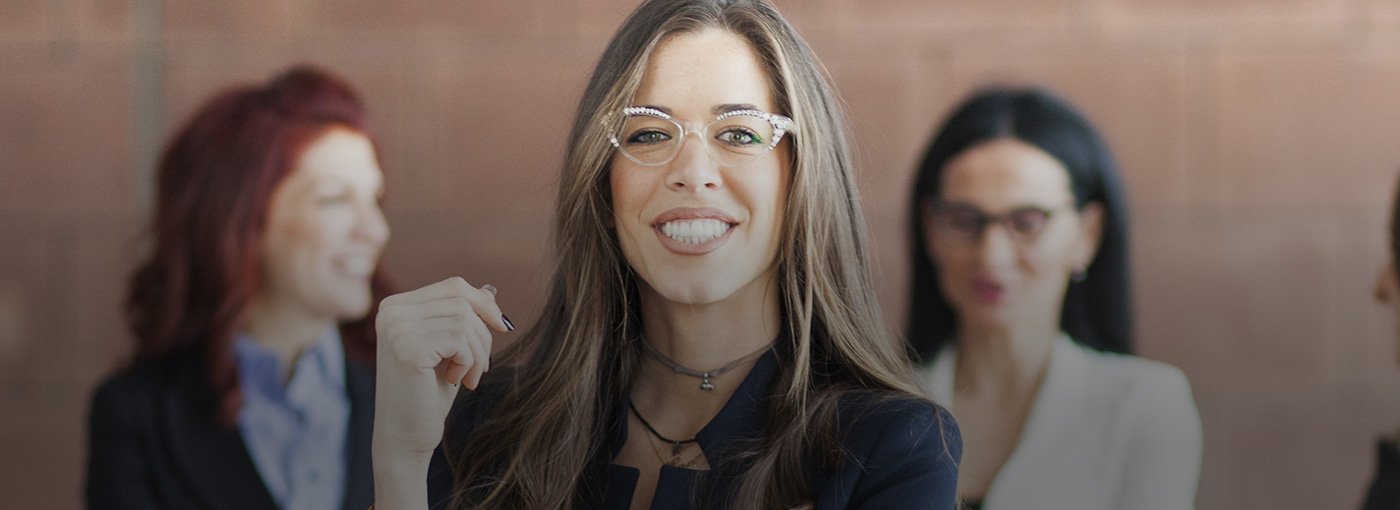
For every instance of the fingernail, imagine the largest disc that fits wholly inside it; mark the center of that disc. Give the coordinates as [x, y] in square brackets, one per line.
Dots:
[509, 325]
[489, 288]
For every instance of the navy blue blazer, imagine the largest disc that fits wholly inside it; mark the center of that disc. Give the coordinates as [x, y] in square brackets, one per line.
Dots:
[901, 454]
[153, 444]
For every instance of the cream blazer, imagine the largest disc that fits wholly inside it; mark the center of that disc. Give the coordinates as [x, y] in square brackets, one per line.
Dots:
[1106, 432]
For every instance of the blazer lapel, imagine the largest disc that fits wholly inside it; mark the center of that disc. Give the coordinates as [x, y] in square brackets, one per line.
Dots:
[359, 475]
[1061, 404]
[213, 458]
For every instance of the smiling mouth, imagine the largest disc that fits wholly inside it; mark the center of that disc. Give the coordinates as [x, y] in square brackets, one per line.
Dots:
[355, 266]
[696, 231]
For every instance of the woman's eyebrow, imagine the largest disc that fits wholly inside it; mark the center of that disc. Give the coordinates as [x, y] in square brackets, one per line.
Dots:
[731, 107]
[658, 108]
[720, 109]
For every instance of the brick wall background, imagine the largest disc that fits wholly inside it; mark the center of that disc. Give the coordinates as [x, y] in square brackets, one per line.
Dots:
[1258, 138]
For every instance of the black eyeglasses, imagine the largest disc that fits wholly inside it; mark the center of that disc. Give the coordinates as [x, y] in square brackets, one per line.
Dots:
[966, 223]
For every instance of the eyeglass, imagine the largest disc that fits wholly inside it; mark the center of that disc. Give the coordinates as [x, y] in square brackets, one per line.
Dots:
[651, 137]
[966, 223]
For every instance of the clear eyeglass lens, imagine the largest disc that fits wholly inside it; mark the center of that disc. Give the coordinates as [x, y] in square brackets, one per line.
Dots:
[1027, 223]
[968, 224]
[733, 140]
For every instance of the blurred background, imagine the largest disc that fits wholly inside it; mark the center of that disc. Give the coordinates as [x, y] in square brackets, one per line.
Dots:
[1258, 140]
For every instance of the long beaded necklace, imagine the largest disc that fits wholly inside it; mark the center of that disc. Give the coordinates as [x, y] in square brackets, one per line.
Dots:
[706, 375]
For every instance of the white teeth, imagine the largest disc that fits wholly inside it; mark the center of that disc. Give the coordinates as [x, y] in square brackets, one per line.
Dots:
[357, 265]
[694, 231]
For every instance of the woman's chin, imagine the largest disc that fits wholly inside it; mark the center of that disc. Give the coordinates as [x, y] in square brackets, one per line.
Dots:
[693, 293]
[984, 316]
[350, 307]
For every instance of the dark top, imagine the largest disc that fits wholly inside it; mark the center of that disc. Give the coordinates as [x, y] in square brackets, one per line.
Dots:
[901, 454]
[153, 443]
[1385, 487]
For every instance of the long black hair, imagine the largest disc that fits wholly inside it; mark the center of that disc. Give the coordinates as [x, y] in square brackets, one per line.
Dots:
[1097, 310]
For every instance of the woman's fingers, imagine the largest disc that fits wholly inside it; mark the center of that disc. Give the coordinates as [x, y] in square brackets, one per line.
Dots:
[454, 286]
[481, 301]
[481, 350]
[457, 346]
[484, 303]
[431, 348]
[453, 372]
[455, 306]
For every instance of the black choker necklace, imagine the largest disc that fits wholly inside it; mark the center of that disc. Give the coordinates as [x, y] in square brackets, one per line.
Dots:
[675, 445]
[704, 376]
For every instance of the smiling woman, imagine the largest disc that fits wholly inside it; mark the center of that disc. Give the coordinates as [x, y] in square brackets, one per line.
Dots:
[252, 384]
[711, 339]
[732, 212]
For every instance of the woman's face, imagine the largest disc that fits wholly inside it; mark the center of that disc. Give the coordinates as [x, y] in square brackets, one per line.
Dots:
[695, 231]
[1012, 269]
[325, 230]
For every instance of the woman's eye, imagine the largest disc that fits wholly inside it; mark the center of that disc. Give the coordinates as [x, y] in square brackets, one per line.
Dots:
[963, 220]
[739, 137]
[648, 137]
[1028, 222]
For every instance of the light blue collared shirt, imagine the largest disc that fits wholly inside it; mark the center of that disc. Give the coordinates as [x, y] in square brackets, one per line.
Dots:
[296, 433]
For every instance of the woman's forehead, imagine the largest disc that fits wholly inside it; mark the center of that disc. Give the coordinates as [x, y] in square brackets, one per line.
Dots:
[1005, 172]
[698, 75]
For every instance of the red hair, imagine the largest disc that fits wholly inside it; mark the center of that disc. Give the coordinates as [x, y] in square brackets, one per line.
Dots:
[214, 188]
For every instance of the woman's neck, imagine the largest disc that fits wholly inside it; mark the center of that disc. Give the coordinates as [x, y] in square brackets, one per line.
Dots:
[702, 338]
[1004, 362]
[285, 330]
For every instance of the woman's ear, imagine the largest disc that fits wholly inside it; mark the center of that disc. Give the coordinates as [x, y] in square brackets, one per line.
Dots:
[1091, 218]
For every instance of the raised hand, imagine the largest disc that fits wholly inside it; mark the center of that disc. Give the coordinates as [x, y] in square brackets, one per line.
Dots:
[430, 341]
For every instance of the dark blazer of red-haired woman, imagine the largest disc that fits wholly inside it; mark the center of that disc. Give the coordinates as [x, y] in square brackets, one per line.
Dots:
[261, 282]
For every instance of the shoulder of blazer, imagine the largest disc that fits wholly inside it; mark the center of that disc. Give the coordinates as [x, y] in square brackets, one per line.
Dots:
[359, 382]
[139, 388]
[1128, 375]
[877, 424]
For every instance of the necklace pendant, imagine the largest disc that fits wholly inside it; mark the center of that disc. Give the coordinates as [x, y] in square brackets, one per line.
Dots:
[675, 450]
[705, 384]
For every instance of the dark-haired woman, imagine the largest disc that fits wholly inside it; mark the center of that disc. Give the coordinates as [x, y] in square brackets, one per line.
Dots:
[252, 383]
[1019, 313]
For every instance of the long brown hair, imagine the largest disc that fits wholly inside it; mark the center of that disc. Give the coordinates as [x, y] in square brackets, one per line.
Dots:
[214, 186]
[579, 360]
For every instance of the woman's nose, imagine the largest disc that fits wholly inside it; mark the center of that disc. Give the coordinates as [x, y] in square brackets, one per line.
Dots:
[996, 247]
[694, 167]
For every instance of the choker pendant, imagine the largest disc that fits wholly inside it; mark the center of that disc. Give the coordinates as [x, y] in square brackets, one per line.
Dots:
[705, 384]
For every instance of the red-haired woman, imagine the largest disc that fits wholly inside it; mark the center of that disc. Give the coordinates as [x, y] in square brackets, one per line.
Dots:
[252, 384]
